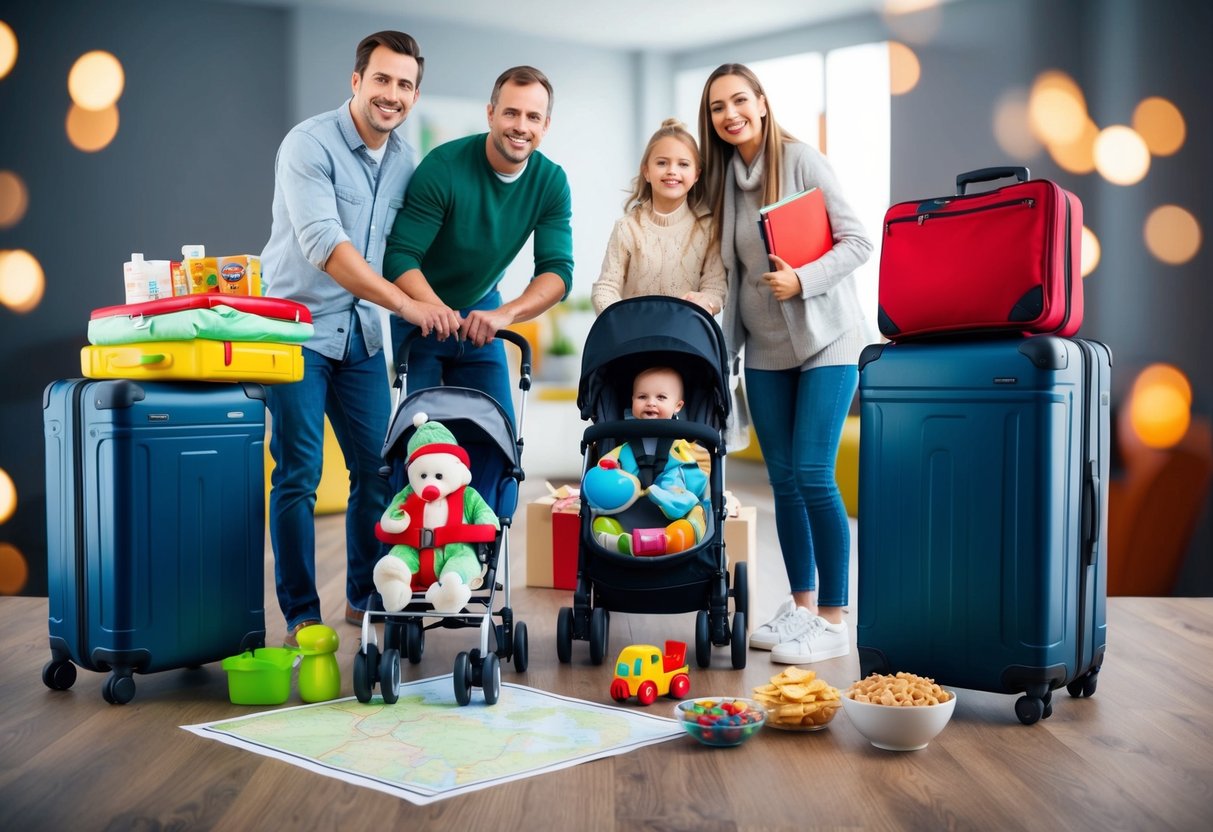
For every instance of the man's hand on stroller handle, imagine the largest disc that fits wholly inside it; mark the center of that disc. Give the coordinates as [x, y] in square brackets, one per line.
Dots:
[431, 317]
[481, 325]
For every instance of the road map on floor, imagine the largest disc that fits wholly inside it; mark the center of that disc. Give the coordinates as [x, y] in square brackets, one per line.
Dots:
[426, 747]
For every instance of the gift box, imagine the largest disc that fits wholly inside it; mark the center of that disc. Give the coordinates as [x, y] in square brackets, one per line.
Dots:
[741, 542]
[552, 526]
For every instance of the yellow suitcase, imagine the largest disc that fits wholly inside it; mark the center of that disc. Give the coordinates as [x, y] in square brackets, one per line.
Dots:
[197, 360]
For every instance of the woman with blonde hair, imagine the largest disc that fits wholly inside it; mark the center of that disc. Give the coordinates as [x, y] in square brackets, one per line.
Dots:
[802, 330]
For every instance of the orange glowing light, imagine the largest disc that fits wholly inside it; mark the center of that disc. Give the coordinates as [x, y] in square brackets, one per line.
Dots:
[1160, 125]
[1172, 234]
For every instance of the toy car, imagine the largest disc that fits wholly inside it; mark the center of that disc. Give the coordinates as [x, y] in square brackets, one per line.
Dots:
[645, 672]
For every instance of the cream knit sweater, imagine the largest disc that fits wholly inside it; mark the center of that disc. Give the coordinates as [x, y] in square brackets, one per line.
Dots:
[660, 254]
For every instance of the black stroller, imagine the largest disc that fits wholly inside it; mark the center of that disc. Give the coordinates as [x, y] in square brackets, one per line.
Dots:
[630, 336]
[483, 429]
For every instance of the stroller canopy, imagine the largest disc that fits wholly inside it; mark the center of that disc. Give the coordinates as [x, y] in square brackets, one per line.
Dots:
[651, 331]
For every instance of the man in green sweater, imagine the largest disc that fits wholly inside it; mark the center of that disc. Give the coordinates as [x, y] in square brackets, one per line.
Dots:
[470, 207]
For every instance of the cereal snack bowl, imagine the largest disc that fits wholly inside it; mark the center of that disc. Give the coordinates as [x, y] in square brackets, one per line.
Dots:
[899, 728]
[721, 721]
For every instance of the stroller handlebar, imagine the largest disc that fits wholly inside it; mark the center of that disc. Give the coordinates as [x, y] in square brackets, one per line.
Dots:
[524, 350]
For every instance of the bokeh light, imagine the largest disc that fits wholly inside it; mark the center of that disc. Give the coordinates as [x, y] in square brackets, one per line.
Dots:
[90, 130]
[8, 496]
[1121, 156]
[1090, 251]
[904, 69]
[1160, 405]
[14, 199]
[8, 48]
[916, 21]
[1077, 156]
[1010, 124]
[1057, 108]
[1172, 234]
[1160, 124]
[21, 280]
[14, 571]
[95, 80]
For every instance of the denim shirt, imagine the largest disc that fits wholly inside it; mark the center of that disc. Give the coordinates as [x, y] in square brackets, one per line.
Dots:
[328, 190]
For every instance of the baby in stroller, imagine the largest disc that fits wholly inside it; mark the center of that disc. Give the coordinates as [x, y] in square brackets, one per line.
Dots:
[665, 471]
[687, 570]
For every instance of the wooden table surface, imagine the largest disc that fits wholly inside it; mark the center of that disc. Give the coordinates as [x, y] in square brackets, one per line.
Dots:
[1138, 755]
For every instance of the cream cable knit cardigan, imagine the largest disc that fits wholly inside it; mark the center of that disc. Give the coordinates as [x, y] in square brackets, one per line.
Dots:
[660, 254]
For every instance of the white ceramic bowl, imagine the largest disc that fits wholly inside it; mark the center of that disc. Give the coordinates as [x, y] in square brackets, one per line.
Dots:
[895, 728]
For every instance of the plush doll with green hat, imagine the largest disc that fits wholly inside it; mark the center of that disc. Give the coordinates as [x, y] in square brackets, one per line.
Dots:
[433, 523]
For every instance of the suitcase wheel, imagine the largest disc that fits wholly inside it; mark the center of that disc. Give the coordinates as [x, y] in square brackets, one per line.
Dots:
[118, 689]
[58, 675]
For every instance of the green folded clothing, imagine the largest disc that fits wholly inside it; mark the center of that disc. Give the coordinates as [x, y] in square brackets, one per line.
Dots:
[218, 323]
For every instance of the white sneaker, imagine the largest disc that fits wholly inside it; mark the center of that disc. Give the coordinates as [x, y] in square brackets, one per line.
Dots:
[784, 626]
[821, 640]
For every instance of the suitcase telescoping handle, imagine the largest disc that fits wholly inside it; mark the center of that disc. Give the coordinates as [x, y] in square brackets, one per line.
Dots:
[989, 175]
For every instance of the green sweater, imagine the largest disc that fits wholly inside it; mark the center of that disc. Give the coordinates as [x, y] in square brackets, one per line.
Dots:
[462, 226]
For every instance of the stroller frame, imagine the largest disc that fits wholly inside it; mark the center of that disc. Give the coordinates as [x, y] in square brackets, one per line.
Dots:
[404, 630]
[631, 335]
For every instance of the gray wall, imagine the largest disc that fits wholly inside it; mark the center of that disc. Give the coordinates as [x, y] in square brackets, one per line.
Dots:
[212, 87]
[203, 111]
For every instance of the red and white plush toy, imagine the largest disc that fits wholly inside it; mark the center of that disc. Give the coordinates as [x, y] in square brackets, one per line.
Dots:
[434, 521]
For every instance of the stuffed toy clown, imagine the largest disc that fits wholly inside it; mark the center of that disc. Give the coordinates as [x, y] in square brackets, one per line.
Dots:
[678, 489]
[434, 521]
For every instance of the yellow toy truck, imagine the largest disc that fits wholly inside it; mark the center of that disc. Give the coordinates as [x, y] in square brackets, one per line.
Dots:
[645, 672]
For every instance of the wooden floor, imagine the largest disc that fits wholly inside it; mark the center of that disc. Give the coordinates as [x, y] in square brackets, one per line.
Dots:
[1138, 755]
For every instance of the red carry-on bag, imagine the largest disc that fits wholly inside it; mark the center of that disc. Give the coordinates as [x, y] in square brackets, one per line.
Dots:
[1000, 261]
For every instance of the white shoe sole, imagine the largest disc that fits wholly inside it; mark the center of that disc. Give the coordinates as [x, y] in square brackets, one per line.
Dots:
[784, 657]
[759, 643]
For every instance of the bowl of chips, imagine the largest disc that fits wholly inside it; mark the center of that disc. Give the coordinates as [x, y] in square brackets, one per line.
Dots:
[796, 700]
[721, 721]
[898, 712]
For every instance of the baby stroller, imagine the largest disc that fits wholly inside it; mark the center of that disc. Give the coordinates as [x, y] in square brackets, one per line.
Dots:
[483, 429]
[630, 336]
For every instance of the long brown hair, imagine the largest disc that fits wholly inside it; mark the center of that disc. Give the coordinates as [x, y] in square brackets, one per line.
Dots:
[717, 153]
[642, 190]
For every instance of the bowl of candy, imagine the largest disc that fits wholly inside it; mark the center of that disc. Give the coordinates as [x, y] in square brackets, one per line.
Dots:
[721, 721]
[900, 712]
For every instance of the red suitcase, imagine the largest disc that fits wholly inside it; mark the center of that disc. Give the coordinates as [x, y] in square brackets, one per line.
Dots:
[1000, 261]
[281, 308]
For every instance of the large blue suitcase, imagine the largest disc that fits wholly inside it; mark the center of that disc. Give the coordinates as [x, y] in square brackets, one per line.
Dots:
[982, 514]
[155, 527]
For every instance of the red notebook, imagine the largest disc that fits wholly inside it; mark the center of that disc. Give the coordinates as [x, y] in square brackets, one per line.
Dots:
[797, 228]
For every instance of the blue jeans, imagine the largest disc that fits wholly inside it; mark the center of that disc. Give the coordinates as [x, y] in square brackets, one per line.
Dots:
[799, 427]
[353, 392]
[456, 362]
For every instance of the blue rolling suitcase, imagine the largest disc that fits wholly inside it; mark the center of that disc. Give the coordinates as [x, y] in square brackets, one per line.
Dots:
[982, 514]
[155, 527]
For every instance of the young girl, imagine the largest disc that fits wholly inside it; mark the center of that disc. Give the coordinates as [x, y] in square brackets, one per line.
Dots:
[802, 330]
[661, 244]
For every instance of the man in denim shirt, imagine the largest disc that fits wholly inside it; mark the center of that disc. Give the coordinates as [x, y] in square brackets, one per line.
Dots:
[339, 180]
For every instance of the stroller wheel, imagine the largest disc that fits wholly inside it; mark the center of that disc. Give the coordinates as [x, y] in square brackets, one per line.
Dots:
[739, 640]
[463, 679]
[564, 635]
[598, 635]
[491, 676]
[741, 588]
[365, 665]
[703, 639]
[414, 641]
[520, 647]
[389, 675]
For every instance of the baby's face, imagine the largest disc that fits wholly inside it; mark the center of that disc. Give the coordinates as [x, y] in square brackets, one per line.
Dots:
[656, 395]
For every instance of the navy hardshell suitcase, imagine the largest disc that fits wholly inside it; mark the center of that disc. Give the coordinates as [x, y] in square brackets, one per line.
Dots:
[982, 514]
[155, 527]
